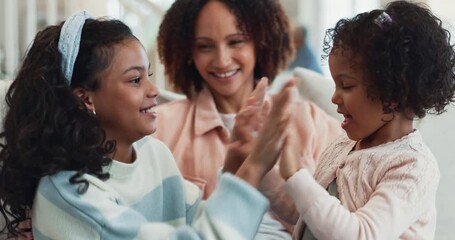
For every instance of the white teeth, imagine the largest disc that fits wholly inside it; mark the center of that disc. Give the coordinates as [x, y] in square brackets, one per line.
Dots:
[149, 110]
[226, 74]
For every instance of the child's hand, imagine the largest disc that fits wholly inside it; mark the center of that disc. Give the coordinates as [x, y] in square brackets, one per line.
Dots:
[271, 138]
[294, 158]
[247, 122]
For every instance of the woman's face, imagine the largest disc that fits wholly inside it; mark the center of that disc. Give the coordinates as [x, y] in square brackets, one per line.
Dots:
[223, 55]
[125, 101]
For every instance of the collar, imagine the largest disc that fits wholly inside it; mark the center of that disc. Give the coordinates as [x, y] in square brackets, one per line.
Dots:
[206, 114]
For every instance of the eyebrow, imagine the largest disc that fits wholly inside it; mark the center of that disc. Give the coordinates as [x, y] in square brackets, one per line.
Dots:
[228, 36]
[138, 68]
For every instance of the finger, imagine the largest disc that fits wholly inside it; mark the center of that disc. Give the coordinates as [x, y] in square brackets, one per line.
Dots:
[281, 106]
[263, 115]
[260, 90]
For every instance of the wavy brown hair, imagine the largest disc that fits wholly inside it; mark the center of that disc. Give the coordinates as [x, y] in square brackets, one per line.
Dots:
[264, 21]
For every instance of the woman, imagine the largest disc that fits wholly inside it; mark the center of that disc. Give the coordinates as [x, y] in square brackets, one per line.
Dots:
[215, 52]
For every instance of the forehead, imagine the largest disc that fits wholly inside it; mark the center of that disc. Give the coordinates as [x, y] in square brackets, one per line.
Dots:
[346, 58]
[125, 55]
[215, 17]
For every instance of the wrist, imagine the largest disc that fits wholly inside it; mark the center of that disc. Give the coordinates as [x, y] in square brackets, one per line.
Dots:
[251, 173]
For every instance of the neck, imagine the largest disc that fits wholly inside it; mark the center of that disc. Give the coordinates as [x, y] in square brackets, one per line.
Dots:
[123, 153]
[234, 102]
[389, 132]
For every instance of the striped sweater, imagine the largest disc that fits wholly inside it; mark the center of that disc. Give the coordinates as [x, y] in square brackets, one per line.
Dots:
[147, 199]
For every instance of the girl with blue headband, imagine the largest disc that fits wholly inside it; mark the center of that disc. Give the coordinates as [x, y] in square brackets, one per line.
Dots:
[79, 157]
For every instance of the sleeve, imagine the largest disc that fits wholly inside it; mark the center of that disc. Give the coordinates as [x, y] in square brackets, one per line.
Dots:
[233, 212]
[398, 201]
[319, 129]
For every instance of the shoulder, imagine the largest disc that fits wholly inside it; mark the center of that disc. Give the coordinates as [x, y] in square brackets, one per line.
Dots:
[412, 152]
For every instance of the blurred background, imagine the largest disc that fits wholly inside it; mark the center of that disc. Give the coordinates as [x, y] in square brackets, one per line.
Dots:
[21, 19]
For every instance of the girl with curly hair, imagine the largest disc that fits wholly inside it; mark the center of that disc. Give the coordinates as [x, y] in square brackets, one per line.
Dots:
[379, 180]
[215, 52]
[78, 154]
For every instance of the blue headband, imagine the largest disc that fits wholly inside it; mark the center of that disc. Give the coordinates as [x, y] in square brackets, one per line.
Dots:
[69, 41]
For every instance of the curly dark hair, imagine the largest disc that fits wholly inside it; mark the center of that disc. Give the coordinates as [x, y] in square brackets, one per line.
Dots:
[408, 61]
[264, 21]
[48, 128]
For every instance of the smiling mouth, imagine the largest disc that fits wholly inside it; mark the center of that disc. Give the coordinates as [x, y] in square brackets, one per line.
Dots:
[225, 74]
[346, 121]
[148, 110]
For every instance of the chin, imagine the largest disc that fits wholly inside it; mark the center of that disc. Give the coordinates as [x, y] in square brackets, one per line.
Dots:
[353, 137]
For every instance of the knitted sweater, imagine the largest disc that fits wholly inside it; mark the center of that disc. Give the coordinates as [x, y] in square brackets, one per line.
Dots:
[147, 199]
[385, 192]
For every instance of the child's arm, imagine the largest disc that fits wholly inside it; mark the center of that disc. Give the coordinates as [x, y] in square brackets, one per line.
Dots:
[233, 212]
[397, 202]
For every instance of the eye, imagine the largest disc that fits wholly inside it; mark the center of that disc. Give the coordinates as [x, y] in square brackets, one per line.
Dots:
[236, 42]
[347, 87]
[203, 47]
[135, 80]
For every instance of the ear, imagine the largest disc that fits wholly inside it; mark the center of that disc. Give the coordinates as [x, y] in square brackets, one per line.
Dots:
[86, 97]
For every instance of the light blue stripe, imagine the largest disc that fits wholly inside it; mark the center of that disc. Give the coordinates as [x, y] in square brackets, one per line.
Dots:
[165, 203]
[238, 205]
[191, 211]
[62, 194]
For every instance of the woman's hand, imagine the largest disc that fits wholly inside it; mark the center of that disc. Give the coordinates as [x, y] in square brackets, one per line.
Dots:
[271, 138]
[247, 122]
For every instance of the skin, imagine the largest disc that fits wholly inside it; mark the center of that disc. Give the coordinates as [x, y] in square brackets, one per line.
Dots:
[364, 120]
[125, 101]
[224, 56]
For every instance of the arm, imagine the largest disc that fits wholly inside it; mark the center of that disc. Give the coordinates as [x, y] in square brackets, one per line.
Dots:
[397, 202]
[100, 214]
[314, 130]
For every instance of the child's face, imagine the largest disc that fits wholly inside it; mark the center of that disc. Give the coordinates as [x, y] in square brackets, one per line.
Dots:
[223, 55]
[125, 101]
[363, 116]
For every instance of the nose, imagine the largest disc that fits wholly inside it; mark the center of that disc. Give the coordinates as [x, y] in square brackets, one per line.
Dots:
[152, 90]
[336, 99]
[223, 57]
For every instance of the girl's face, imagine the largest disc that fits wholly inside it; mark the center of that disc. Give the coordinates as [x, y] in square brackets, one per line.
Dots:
[223, 55]
[125, 101]
[363, 116]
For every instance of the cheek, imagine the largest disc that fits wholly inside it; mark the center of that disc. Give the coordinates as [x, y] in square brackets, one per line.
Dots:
[200, 62]
[247, 56]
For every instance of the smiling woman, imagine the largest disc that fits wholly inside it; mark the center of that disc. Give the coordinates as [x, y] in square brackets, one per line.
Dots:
[215, 52]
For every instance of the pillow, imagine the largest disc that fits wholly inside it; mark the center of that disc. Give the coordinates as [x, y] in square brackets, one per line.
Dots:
[312, 86]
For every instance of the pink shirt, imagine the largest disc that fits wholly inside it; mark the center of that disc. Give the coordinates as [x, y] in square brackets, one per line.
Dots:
[195, 133]
[385, 192]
